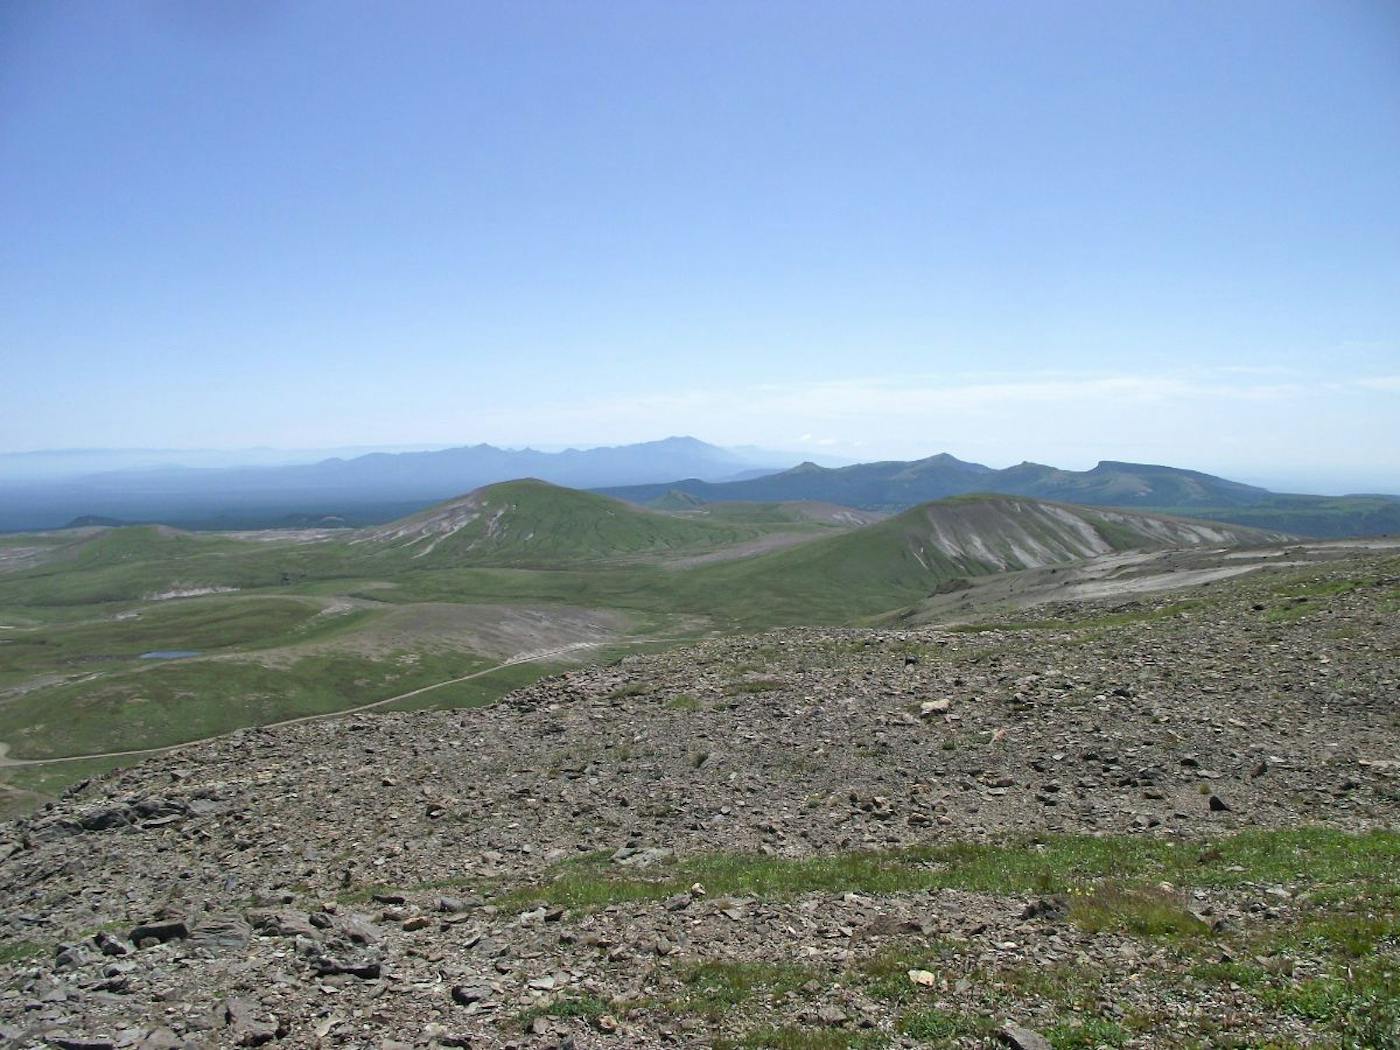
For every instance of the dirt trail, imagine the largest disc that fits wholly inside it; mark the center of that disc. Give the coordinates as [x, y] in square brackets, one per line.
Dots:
[520, 658]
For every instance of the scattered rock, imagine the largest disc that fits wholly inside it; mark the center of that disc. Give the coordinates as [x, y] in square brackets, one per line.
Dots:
[245, 1027]
[160, 931]
[572, 778]
[1018, 1038]
[831, 1015]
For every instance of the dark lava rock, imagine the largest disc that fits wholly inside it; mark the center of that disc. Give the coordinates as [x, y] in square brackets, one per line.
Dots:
[167, 930]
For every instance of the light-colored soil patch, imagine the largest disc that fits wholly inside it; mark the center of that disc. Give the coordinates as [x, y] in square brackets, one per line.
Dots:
[188, 592]
[14, 559]
[762, 545]
[283, 535]
[43, 681]
[1149, 584]
[496, 631]
[835, 514]
[1127, 575]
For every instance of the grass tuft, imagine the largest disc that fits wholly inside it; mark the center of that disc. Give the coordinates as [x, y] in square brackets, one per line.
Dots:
[586, 1006]
[20, 952]
[792, 1038]
[933, 1024]
[1328, 862]
[1146, 912]
[1360, 1003]
[713, 988]
[1088, 1033]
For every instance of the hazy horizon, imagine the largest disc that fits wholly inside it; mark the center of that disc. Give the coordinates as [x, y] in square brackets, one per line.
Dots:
[1163, 233]
[1333, 483]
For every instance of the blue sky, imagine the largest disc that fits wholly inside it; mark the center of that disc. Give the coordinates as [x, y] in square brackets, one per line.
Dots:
[1057, 231]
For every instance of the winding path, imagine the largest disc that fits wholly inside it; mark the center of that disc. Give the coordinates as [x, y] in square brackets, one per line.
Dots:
[519, 658]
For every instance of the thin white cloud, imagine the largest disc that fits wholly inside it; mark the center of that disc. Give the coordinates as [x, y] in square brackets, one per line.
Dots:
[1385, 384]
[920, 396]
[883, 399]
[1209, 419]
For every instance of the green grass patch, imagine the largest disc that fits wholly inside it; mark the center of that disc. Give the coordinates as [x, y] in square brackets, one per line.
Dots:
[750, 686]
[1246, 975]
[885, 976]
[1360, 1004]
[1068, 985]
[191, 699]
[1319, 588]
[934, 1025]
[1312, 857]
[588, 1007]
[1346, 935]
[52, 778]
[713, 988]
[795, 1038]
[120, 634]
[13, 953]
[1087, 1033]
[1302, 598]
[1142, 911]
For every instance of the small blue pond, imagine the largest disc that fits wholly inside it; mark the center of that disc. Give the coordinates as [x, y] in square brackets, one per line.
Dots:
[169, 654]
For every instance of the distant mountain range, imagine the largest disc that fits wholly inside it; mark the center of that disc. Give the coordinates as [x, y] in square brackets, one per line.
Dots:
[383, 486]
[898, 485]
[368, 488]
[57, 464]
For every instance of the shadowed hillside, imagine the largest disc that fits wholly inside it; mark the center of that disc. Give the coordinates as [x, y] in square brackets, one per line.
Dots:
[907, 557]
[895, 485]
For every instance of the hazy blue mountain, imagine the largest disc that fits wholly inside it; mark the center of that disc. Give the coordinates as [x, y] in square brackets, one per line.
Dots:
[452, 471]
[897, 485]
[1126, 485]
[887, 485]
[362, 488]
[54, 464]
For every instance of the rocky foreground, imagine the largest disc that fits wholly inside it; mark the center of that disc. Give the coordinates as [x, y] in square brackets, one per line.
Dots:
[1172, 824]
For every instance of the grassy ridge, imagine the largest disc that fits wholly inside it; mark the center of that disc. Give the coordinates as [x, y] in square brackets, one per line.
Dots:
[1324, 517]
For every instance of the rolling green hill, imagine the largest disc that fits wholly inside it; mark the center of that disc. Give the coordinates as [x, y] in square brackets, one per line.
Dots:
[534, 523]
